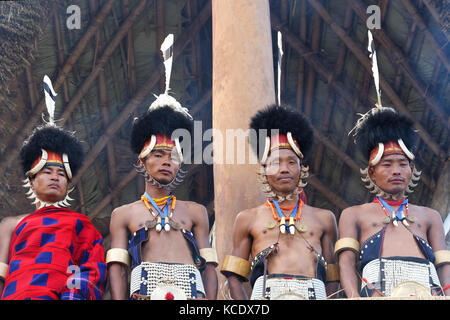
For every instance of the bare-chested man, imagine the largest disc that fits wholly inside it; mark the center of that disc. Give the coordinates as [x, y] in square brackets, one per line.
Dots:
[167, 239]
[399, 247]
[291, 243]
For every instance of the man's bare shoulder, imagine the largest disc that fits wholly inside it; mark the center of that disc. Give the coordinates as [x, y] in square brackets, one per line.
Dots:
[194, 209]
[192, 205]
[249, 214]
[434, 214]
[422, 208]
[327, 217]
[319, 211]
[8, 224]
[126, 209]
[358, 209]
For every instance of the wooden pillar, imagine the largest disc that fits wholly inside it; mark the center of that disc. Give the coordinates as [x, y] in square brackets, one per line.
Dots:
[243, 82]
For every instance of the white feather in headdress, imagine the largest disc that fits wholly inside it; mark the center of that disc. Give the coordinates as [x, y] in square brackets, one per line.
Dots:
[165, 99]
[50, 96]
[167, 52]
[280, 57]
[376, 75]
[376, 79]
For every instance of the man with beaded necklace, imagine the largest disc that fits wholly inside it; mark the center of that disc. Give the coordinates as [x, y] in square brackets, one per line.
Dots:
[167, 239]
[399, 247]
[291, 243]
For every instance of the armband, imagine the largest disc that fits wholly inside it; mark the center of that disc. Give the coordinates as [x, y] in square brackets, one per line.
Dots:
[118, 255]
[346, 244]
[210, 255]
[237, 266]
[442, 257]
[3, 270]
[333, 272]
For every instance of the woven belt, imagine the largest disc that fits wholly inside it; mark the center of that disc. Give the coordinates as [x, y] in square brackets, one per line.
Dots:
[148, 276]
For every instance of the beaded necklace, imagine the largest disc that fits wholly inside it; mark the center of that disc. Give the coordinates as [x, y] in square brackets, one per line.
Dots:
[286, 223]
[163, 215]
[391, 214]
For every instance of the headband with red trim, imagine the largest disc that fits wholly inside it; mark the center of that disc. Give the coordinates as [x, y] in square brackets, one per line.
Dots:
[160, 142]
[281, 141]
[50, 159]
[383, 131]
[293, 131]
[388, 148]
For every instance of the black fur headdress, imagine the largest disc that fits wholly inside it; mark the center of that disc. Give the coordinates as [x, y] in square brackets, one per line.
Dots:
[285, 119]
[163, 120]
[54, 139]
[383, 125]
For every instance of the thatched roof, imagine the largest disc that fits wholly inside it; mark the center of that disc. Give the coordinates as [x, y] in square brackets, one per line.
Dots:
[21, 23]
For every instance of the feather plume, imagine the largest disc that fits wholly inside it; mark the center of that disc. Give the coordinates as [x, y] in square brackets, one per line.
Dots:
[50, 96]
[280, 59]
[376, 75]
[167, 52]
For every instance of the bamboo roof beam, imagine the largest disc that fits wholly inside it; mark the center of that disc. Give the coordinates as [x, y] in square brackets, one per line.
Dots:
[114, 193]
[331, 100]
[301, 61]
[30, 85]
[423, 27]
[284, 16]
[131, 57]
[161, 34]
[436, 17]
[104, 108]
[202, 102]
[397, 56]
[311, 75]
[328, 193]
[180, 43]
[313, 61]
[11, 151]
[131, 73]
[406, 48]
[196, 61]
[385, 86]
[108, 51]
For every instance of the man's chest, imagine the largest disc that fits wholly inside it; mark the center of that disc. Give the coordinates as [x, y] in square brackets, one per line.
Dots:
[178, 219]
[414, 222]
[266, 229]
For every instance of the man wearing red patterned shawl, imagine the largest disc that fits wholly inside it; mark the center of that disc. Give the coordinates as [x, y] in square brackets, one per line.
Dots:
[52, 253]
[393, 247]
